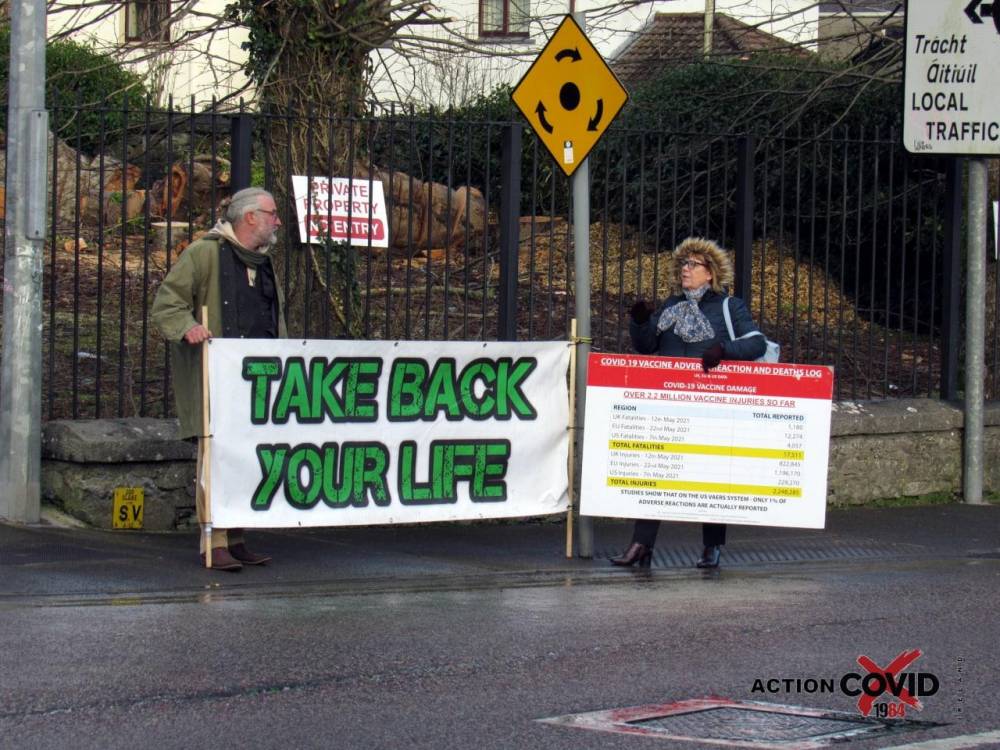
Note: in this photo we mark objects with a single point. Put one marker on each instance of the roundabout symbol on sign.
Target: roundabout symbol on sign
(569, 95)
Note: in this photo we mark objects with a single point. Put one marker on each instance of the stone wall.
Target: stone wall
(877, 450)
(83, 461)
(904, 448)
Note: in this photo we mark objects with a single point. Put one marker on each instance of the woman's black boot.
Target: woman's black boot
(710, 557)
(636, 553)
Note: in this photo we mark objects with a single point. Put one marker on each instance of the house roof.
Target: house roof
(883, 7)
(671, 39)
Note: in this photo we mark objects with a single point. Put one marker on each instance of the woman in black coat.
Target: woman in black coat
(691, 323)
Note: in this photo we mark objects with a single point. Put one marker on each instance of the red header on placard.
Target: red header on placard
(731, 378)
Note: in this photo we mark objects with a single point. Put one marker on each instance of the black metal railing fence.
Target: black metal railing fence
(846, 246)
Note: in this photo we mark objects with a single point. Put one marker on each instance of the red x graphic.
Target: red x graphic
(895, 668)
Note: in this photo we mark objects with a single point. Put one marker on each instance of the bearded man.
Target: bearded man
(229, 271)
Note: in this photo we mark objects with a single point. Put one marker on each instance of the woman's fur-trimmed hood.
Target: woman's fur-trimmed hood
(720, 262)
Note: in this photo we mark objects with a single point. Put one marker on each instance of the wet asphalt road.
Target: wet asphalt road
(395, 639)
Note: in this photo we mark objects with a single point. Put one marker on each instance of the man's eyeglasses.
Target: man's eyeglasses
(272, 212)
(693, 264)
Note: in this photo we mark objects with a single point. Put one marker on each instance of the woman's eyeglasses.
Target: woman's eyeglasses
(693, 264)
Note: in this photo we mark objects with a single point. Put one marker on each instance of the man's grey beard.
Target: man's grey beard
(269, 244)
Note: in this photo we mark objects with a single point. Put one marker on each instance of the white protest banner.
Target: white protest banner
(341, 209)
(340, 433)
(746, 443)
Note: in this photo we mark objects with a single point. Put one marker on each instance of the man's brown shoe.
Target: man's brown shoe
(245, 556)
(222, 560)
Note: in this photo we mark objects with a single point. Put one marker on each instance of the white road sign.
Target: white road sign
(950, 104)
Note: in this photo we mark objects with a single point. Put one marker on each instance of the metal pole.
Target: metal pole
(510, 228)
(21, 370)
(744, 216)
(975, 331)
(581, 259)
(951, 293)
(241, 145)
(708, 43)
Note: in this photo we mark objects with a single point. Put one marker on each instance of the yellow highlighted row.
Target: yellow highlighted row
(649, 446)
(724, 488)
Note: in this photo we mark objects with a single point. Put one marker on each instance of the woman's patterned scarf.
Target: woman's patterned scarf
(687, 318)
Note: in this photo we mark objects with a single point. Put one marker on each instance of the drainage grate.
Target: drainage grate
(797, 550)
(746, 724)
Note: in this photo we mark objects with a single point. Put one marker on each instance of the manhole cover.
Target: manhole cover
(749, 724)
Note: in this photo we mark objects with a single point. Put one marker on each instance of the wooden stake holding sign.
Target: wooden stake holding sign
(200, 499)
(204, 464)
(572, 436)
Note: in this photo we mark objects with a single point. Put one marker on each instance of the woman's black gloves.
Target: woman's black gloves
(641, 311)
(712, 356)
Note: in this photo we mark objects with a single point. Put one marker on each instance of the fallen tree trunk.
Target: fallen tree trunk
(428, 215)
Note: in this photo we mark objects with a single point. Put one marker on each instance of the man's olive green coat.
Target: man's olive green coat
(193, 281)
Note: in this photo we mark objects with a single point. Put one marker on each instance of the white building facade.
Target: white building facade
(184, 49)
(493, 42)
(187, 49)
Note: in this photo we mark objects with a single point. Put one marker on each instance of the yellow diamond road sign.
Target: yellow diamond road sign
(569, 95)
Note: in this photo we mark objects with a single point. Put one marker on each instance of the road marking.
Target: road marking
(953, 743)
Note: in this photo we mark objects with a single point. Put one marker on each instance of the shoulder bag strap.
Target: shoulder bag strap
(729, 320)
(729, 324)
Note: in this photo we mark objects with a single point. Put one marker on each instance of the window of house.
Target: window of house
(147, 21)
(503, 18)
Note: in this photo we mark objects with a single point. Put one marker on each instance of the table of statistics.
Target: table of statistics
(746, 443)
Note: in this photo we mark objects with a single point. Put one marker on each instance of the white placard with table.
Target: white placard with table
(746, 443)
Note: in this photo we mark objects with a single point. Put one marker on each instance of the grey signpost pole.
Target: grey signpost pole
(975, 331)
(571, 58)
(950, 109)
(581, 268)
(20, 373)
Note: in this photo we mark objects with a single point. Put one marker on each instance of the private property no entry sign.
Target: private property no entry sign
(950, 104)
(341, 209)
